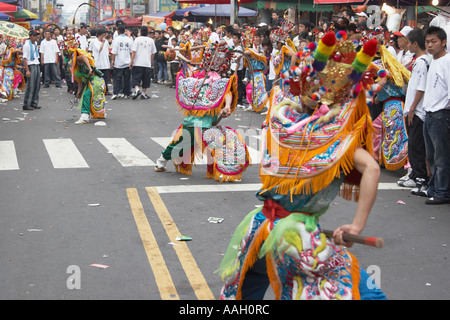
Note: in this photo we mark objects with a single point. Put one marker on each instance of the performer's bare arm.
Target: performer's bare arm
(370, 171)
(226, 111)
(83, 59)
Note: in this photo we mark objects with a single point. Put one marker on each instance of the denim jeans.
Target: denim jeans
(31, 98)
(436, 132)
(122, 81)
(162, 68)
(51, 73)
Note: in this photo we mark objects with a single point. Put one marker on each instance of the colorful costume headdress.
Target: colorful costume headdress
(309, 145)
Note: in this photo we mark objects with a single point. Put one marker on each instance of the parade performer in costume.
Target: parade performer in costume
(312, 151)
(390, 137)
(11, 78)
(255, 61)
(91, 85)
(204, 101)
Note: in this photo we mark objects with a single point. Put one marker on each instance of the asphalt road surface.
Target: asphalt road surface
(84, 215)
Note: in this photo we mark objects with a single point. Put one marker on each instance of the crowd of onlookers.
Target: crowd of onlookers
(134, 57)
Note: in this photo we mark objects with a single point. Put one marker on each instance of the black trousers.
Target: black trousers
(241, 86)
(122, 81)
(106, 78)
(416, 148)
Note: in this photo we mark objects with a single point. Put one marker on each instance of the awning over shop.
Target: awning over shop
(222, 10)
(305, 6)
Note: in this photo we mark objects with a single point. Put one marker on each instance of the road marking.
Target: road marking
(252, 150)
(127, 154)
(209, 188)
(162, 276)
(193, 272)
(240, 187)
(64, 154)
(8, 158)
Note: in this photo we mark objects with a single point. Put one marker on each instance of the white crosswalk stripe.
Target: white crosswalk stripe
(125, 152)
(64, 154)
(8, 158)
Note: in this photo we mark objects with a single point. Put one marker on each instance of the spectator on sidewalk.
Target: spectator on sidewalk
(100, 53)
(32, 72)
(120, 61)
(237, 67)
(49, 59)
(143, 52)
(415, 115)
(436, 103)
(80, 37)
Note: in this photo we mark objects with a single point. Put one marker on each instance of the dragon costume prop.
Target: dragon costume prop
(307, 159)
(201, 96)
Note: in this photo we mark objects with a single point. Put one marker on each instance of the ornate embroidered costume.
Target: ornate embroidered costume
(390, 137)
(202, 97)
(10, 77)
(90, 83)
(307, 159)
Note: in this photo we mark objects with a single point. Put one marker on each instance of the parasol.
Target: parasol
(5, 7)
(23, 14)
(13, 30)
(4, 17)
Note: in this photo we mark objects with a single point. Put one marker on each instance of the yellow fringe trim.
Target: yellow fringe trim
(252, 254)
(256, 56)
(396, 70)
(272, 273)
(356, 277)
(359, 126)
(285, 50)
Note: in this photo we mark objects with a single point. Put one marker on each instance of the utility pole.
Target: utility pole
(232, 11)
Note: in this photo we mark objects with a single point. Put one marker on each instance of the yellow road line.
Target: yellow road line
(193, 273)
(162, 276)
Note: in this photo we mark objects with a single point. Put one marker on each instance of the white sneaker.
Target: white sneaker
(83, 119)
(120, 96)
(406, 176)
(410, 183)
(114, 96)
(136, 94)
(161, 164)
(421, 192)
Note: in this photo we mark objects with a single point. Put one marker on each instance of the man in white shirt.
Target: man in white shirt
(237, 67)
(436, 104)
(143, 52)
(171, 34)
(229, 35)
(100, 53)
(32, 72)
(120, 61)
(80, 37)
(49, 59)
(404, 55)
(415, 115)
(214, 36)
